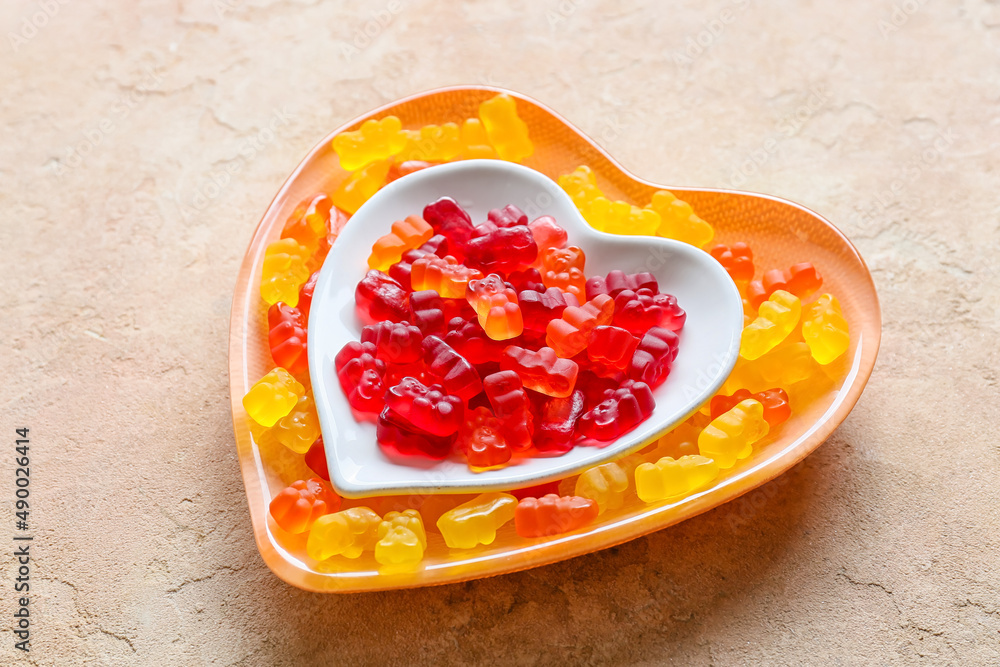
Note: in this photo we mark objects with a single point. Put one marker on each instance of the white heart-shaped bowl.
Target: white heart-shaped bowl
(709, 342)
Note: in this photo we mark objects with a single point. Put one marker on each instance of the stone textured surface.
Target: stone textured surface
(119, 257)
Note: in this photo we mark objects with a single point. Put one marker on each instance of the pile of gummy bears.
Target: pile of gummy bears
(446, 361)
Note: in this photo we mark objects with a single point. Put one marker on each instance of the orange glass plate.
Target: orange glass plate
(780, 232)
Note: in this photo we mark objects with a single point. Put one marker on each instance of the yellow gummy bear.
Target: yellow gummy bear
(375, 140)
(670, 479)
(581, 186)
(678, 221)
(476, 521)
(360, 186)
(776, 318)
(605, 484)
(347, 533)
(619, 217)
(432, 143)
(401, 538)
(284, 272)
(272, 397)
(785, 365)
(299, 429)
(731, 435)
(507, 132)
(825, 329)
(475, 143)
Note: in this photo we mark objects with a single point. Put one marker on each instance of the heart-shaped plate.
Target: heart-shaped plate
(780, 232)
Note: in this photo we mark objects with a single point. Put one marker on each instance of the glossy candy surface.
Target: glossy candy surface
(776, 318)
(568, 335)
(801, 279)
(476, 521)
(450, 369)
(774, 402)
(622, 409)
(737, 259)
(553, 515)
(497, 307)
(510, 405)
(284, 272)
(678, 220)
(395, 342)
(506, 131)
(562, 268)
(361, 376)
(299, 505)
(670, 479)
(381, 298)
(287, 338)
(406, 234)
(654, 356)
(272, 397)
(444, 275)
(541, 370)
(347, 533)
(374, 140)
(731, 435)
(825, 330)
(639, 311)
(605, 484)
(427, 408)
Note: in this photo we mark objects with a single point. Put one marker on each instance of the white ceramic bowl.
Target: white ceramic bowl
(709, 343)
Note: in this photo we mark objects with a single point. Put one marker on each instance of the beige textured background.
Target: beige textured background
(119, 259)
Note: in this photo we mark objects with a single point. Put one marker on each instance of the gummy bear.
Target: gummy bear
(581, 186)
(604, 484)
(482, 440)
(500, 249)
(401, 538)
(374, 140)
(309, 223)
(568, 335)
(556, 425)
(434, 143)
(361, 376)
(298, 429)
(668, 479)
(496, 305)
(347, 533)
(654, 356)
(787, 364)
(563, 268)
(272, 397)
(539, 308)
(619, 281)
(306, 296)
(475, 143)
(526, 279)
(429, 409)
(547, 234)
(637, 312)
(508, 216)
(450, 369)
(774, 401)
(284, 272)
(287, 338)
(776, 318)
(442, 274)
(551, 515)
(507, 132)
(298, 506)
(451, 220)
(621, 410)
(825, 329)
(541, 370)
(396, 435)
(399, 169)
(736, 259)
(315, 458)
(379, 297)
(611, 347)
(406, 234)
(360, 186)
(429, 312)
(620, 217)
(469, 340)
(510, 405)
(476, 522)
(802, 280)
(731, 435)
(678, 220)
(395, 342)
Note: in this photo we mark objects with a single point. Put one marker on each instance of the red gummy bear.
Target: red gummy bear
(654, 356)
(469, 340)
(396, 436)
(449, 219)
(568, 335)
(482, 440)
(638, 311)
(428, 409)
(538, 308)
(287, 338)
(451, 369)
(495, 249)
(775, 402)
(360, 375)
(548, 234)
(611, 347)
(298, 506)
(526, 279)
(736, 259)
(622, 409)
(510, 404)
(508, 216)
(553, 515)
(395, 342)
(556, 425)
(801, 280)
(380, 298)
(306, 296)
(617, 281)
(315, 458)
(541, 371)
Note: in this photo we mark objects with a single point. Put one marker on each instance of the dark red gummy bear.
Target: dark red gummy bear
(451, 369)
(508, 216)
(638, 311)
(380, 298)
(395, 342)
(654, 356)
(315, 458)
(360, 375)
(306, 295)
(449, 219)
(617, 281)
(555, 429)
(621, 410)
(397, 436)
(510, 405)
(429, 409)
(538, 308)
(469, 340)
(526, 279)
(495, 249)
(611, 347)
